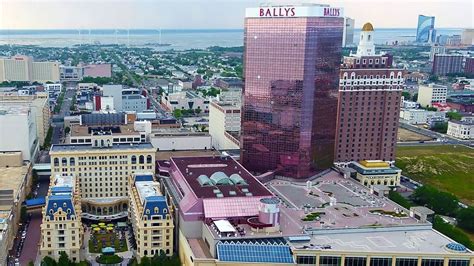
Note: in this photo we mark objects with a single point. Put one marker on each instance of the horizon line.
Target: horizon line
(164, 29)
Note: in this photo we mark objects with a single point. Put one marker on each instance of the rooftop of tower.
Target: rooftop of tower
(368, 27)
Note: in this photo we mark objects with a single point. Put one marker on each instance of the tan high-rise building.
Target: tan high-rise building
(150, 216)
(23, 68)
(61, 228)
(102, 170)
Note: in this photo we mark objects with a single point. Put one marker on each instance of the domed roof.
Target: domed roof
(456, 247)
(368, 27)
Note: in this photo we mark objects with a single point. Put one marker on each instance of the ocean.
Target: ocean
(178, 39)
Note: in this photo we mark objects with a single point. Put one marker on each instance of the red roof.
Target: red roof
(193, 167)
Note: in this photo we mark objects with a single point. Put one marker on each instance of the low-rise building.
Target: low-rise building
(375, 172)
(421, 116)
(185, 100)
(172, 139)
(15, 182)
(432, 93)
(463, 129)
(61, 227)
(150, 216)
(133, 100)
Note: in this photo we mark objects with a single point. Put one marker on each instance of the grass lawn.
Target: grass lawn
(108, 243)
(447, 167)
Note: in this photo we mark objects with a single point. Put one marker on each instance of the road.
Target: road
(154, 102)
(58, 123)
(445, 138)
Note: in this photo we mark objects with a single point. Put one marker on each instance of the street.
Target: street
(445, 138)
(58, 119)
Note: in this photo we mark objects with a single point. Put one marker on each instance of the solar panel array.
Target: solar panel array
(103, 119)
(254, 251)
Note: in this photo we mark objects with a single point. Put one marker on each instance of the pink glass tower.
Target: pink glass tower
(291, 73)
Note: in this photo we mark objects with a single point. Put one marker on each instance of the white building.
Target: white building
(185, 100)
(173, 140)
(463, 129)
(348, 32)
(410, 105)
(436, 49)
(432, 93)
(224, 124)
(114, 91)
(132, 100)
(19, 131)
(107, 104)
(421, 116)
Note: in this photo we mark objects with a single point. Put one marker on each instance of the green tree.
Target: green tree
(63, 259)
(145, 261)
(396, 197)
(440, 202)
(48, 261)
(433, 78)
(406, 95)
(429, 108)
(465, 218)
(197, 111)
(177, 113)
(67, 130)
(31, 263)
(452, 232)
(454, 115)
(441, 127)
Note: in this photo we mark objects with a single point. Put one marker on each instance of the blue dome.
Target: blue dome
(456, 247)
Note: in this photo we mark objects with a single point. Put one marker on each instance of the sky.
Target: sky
(214, 14)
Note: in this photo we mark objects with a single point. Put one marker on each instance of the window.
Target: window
(134, 159)
(141, 159)
(149, 159)
(306, 260)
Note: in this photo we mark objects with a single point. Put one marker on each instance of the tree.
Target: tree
(454, 116)
(430, 108)
(406, 95)
(441, 127)
(440, 202)
(465, 218)
(31, 263)
(63, 259)
(48, 261)
(452, 232)
(433, 78)
(67, 130)
(145, 261)
(197, 111)
(396, 197)
(177, 113)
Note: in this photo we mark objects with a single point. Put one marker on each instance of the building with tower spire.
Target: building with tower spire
(368, 108)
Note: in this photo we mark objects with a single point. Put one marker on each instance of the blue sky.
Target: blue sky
(186, 14)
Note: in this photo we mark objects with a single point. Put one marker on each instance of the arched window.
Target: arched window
(56, 162)
(156, 210)
(141, 159)
(72, 161)
(63, 161)
(134, 159)
(368, 38)
(149, 159)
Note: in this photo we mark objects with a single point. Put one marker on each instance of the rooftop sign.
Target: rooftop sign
(294, 11)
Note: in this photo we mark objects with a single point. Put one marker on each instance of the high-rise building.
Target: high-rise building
(425, 33)
(469, 66)
(369, 104)
(436, 49)
(23, 68)
(348, 36)
(447, 64)
(467, 37)
(291, 65)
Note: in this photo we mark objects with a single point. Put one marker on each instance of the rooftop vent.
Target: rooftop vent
(232, 193)
(216, 191)
(245, 190)
(219, 195)
(248, 194)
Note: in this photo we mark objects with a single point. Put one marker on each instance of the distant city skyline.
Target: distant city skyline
(213, 14)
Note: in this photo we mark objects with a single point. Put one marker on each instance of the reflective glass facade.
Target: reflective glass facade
(425, 31)
(291, 72)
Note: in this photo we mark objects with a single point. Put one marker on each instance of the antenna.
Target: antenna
(128, 37)
(116, 31)
(80, 38)
(90, 40)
